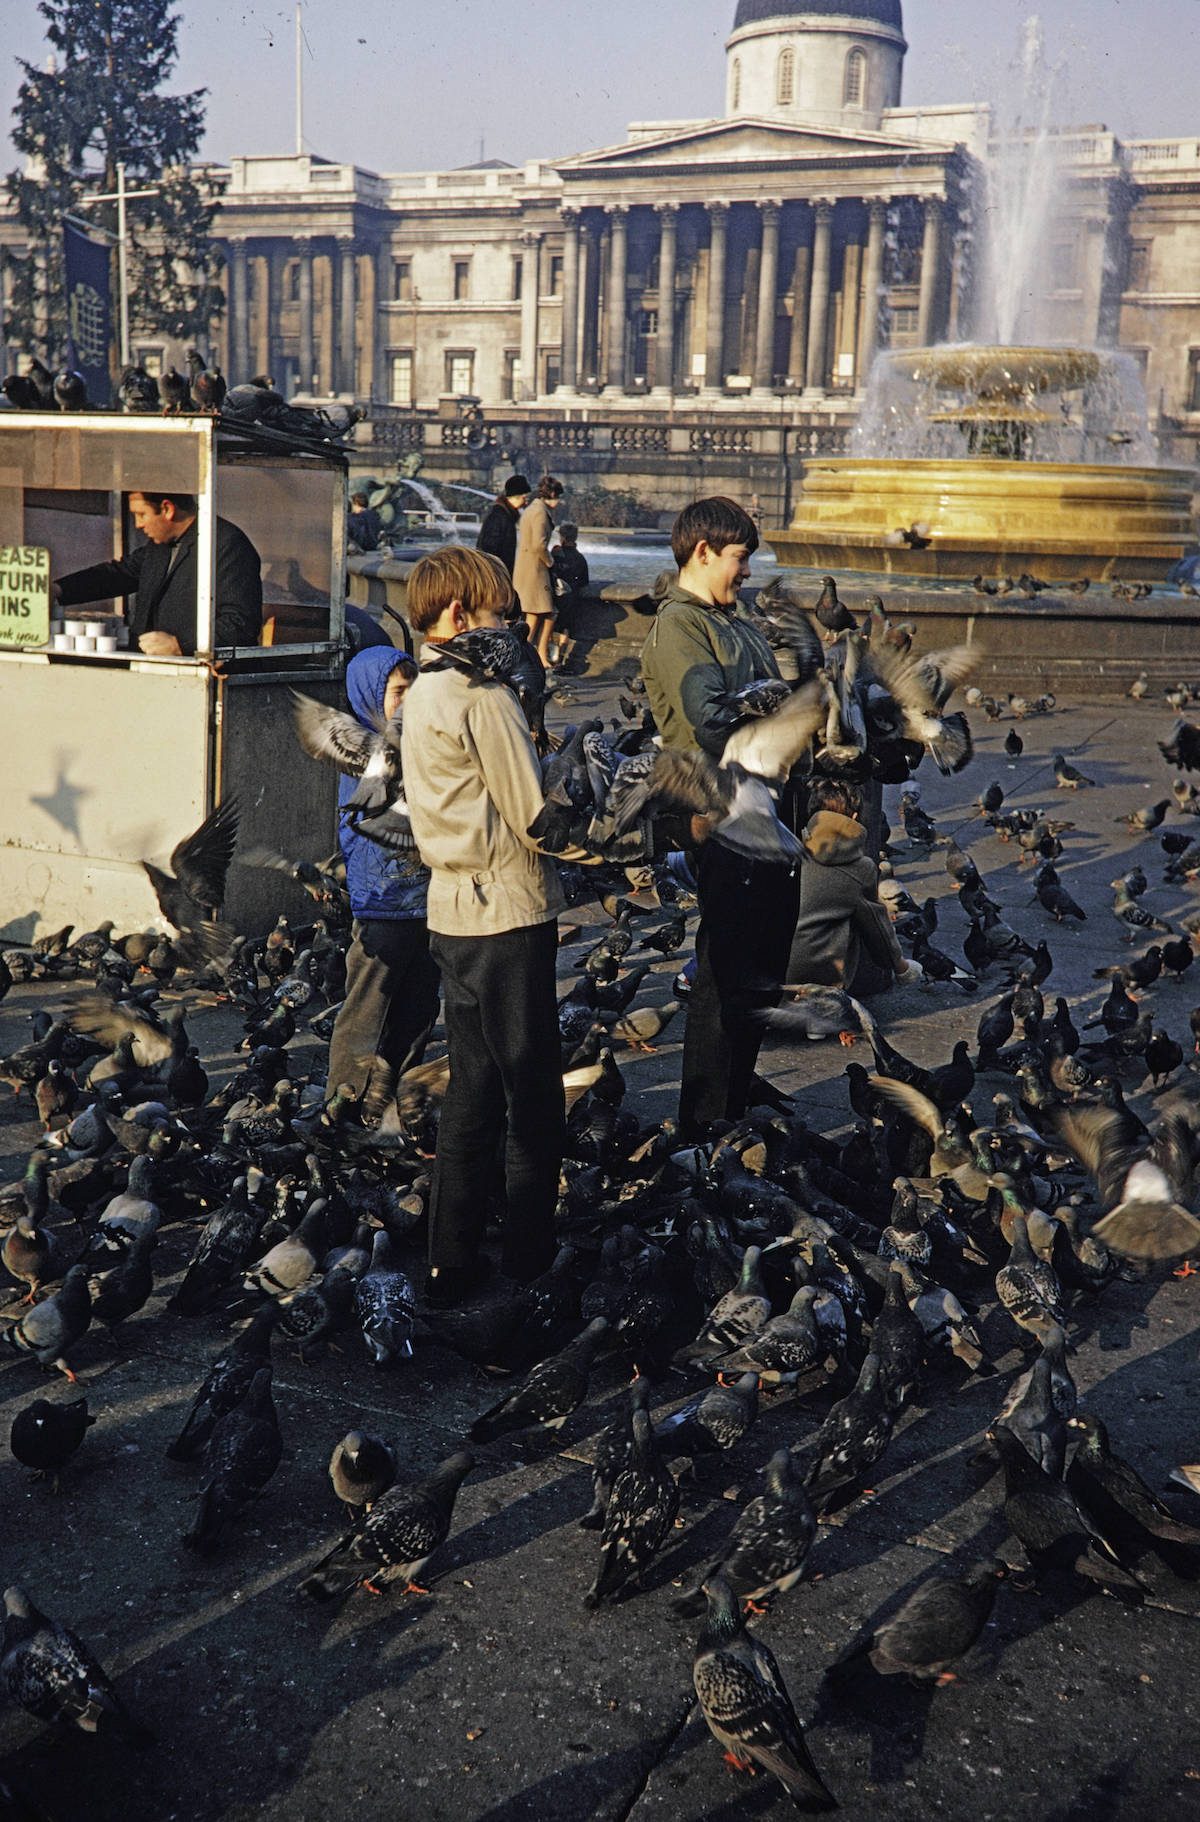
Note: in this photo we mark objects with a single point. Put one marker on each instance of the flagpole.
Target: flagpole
(299, 80)
(122, 271)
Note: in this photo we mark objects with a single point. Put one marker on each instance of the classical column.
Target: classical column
(305, 298)
(714, 357)
(931, 261)
(868, 327)
(531, 262)
(239, 314)
(383, 292)
(347, 364)
(272, 274)
(818, 306)
(801, 279)
(768, 285)
(591, 255)
(569, 370)
(668, 215)
(848, 339)
(616, 311)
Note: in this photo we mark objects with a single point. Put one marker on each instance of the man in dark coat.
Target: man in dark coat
(498, 533)
(163, 574)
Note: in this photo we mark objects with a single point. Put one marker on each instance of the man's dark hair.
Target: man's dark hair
(836, 794)
(358, 499)
(718, 521)
(185, 504)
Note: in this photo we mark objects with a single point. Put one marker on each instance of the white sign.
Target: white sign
(24, 594)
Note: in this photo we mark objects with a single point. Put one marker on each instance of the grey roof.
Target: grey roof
(887, 12)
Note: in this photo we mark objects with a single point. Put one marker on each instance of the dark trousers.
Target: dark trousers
(501, 1021)
(389, 1010)
(748, 912)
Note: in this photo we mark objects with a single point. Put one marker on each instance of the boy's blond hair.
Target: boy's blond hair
(455, 573)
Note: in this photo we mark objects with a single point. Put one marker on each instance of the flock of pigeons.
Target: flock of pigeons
(202, 388)
(835, 1283)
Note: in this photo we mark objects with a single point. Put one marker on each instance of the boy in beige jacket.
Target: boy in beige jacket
(473, 788)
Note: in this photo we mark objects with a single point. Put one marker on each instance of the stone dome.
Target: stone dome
(884, 12)
(816, 62)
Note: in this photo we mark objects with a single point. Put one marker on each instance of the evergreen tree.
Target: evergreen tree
(101, 103)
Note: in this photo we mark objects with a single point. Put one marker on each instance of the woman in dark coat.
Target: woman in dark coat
(498, 533)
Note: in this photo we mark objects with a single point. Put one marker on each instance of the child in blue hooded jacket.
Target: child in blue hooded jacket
(392, 981)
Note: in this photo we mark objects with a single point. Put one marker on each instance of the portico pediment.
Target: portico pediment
(743, 141)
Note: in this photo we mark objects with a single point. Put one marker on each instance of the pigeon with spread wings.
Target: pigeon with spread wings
(377, 808)
(200, 864)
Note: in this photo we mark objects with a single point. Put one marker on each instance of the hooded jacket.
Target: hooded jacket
(841, 922)
(389, 887)
(695, 655)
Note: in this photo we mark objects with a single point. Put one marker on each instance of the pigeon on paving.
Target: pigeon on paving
(614, 1453)
(383, 1297)
(361, 1467)
(1118, 1501)
(396, 1539)
(49, 1329)
(769, 1541)
(45, 1436)
(225, 1384)
(1044, 1518)
(852, 1437)
(638, 1519)
(735, 1317)
(243, 1452)
(549, 1394)
(746, 1704)
(51, 1674)
(933, 1630)
(713, 1421)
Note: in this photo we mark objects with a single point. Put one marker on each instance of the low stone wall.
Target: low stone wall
(1086, 644)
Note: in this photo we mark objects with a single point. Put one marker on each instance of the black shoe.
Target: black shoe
(449, 1285)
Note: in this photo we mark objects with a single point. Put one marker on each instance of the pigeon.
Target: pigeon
(769, 1541)
(832, 614)
(197, 883)
(225, 1384)
(361, 1467)
(240, 1457)
(614, 1453)
(404, 1527)
(45, 1436)
(50, 1673)
(1140, 1181)
(735, 1317)
(715, 1420)
(1122, 1506)
(549, 1394)
(816, 1013)
(1045, 1520)
(786, 1347)
(1067, 776)
(852, 1437)
(48, 1330)
(383, 1297)
(746, 1704)
(934, 1629)
(638, 1517)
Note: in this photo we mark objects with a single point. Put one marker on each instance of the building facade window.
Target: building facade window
(785, 81)
(735, 86)
(517, 285)
(855, 83)
(461, 281)
(460, 371)
(1064, 265)
(1193, 380)
(556, 275)
(402, 286)
(291, 282)
(400, 378)
(512, 375)
(1139, 266)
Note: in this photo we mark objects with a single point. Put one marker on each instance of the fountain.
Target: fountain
(1013, 455)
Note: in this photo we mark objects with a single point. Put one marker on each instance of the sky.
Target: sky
(395, 86)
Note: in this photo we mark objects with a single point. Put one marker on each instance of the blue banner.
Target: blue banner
(89, 311)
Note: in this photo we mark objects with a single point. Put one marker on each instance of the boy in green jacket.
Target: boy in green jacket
(703, 646)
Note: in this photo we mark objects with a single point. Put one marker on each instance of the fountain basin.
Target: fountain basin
(1056, 520)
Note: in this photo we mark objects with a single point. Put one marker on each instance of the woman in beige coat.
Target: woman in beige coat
(531, 576)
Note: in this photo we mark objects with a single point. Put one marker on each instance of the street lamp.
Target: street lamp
(120, 196)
